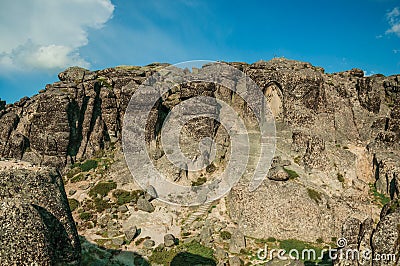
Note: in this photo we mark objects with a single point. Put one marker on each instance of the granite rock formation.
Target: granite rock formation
(35, 220)
(337, 142)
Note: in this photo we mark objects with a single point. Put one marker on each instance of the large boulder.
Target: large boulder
(36, 224)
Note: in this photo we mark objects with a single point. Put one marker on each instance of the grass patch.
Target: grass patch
(192, 253)
(85, 216)
(103, 82)
(73, 204)
(101, 242)
(378, 197)
(292, 174)
(73, 172)
(102, 189)
(124, 196)
(314, 195)
(200, 181)
(271, 239)
(77, 178)
(88, 165)
(101, 205)
(225, 235)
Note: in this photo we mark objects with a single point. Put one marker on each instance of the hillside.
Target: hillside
(335, 170)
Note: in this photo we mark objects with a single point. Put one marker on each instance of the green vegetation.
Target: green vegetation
(102, 189)
(101, 205)
(378, 197)
(314, 195)
(340, 177)
(73, 204)
(77, 178)
(292, 174)
(73, 172)
(125, 67)
(297, 160)
(88, 165)
(101, 242)
(85, 216)
(319, 240)
(271, 239)
(192, 253)
(225, 235)
(186, 234)
(200, 181)
(300, 246)
(124, 196)
(140, 240)
(103, 82)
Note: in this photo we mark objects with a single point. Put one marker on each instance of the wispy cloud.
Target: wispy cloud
(393, 18)
(46, 34)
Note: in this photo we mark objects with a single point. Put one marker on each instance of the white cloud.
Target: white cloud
(46, 34)
(393, 17)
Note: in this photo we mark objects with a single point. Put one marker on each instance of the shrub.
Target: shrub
(225, 235)
(124, 196)
(378, 197)
(101, 205)
(314, 195)
(192, 253)
(271, 239)
(73, 204)
(102, 189)
(88, 165)
(292, 174)
(85, 216)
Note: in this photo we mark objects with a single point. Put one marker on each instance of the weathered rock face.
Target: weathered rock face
(331, 126)
(72, 119)
(35, 221)
(338, 131)
(375, 246)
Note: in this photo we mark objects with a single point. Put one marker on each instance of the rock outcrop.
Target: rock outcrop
(366, 245)
(337, 134)
(36, 225)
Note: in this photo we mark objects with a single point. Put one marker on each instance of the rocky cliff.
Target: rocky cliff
(338, 140)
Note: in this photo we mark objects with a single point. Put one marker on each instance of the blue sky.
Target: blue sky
(40, 38)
